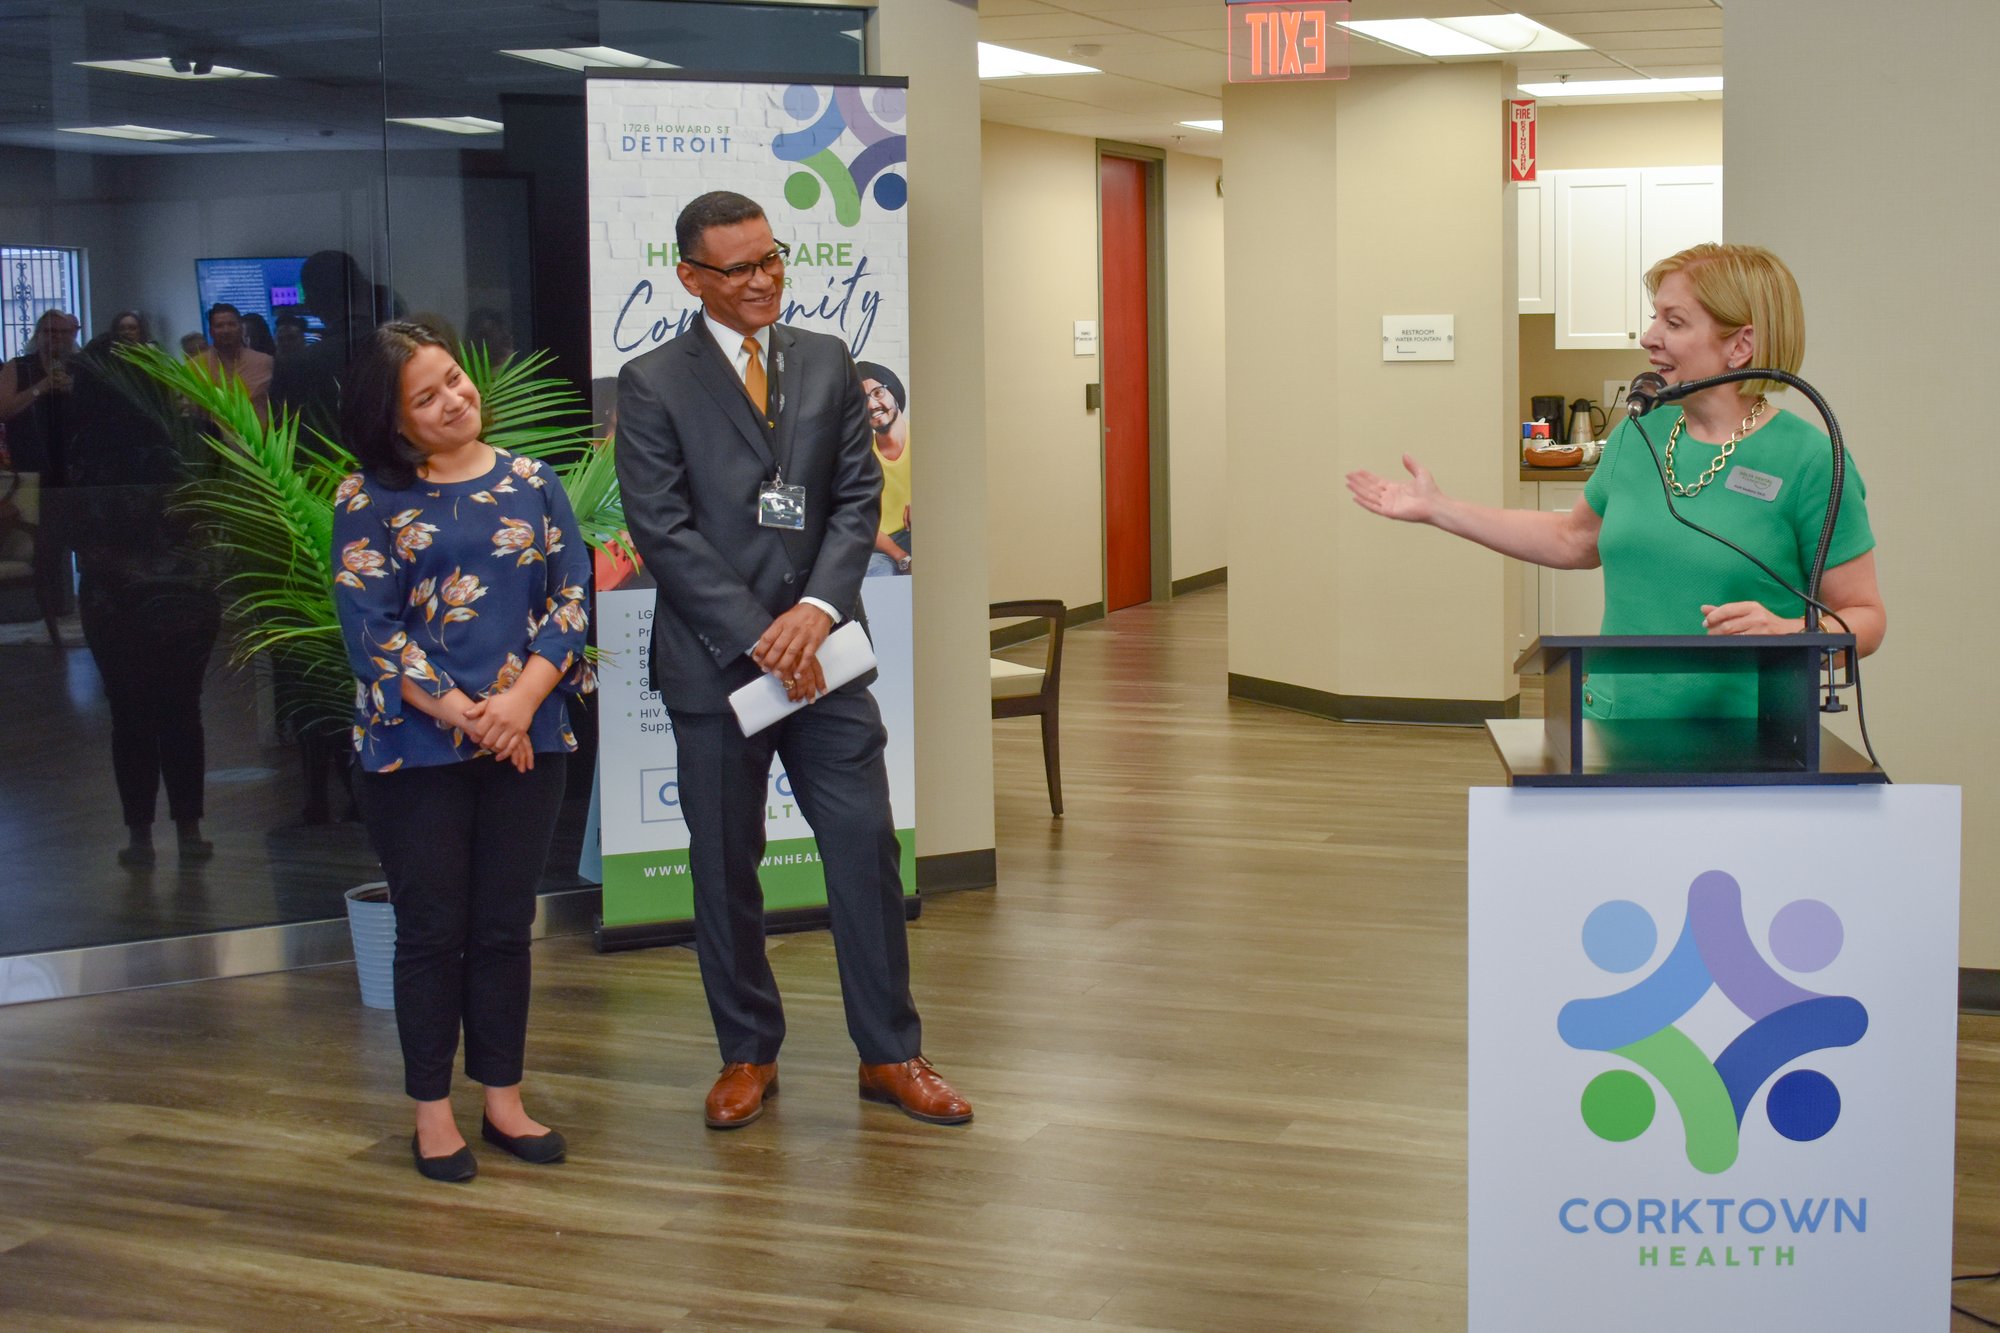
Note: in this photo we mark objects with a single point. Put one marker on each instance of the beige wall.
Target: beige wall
(1045, 525)
(1380, 195)
(1044, 470)
(1877, 189)
(1196, 383)
(1638, 134)
(935, 45)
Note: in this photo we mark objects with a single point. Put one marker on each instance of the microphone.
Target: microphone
(1642, 395)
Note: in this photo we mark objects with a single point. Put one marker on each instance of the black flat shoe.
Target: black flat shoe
(454, 1167)
(541, 1149)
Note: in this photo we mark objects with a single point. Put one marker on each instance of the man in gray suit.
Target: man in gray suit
(752, 494)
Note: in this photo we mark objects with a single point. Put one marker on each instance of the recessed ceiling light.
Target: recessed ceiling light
(451, 124)
(144, 133)
(1622, 87)
(1212, 126)
(1003, 62)
(163, 67)
(1478, 35)
(587, 57)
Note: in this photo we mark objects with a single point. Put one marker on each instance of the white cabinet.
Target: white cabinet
(1603, 229)
(1678, 207)
(1597, 253)
(1537, 241)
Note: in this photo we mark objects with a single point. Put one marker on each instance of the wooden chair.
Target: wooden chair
(1027, 691)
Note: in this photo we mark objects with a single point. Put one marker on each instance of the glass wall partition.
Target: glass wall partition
(318, 167)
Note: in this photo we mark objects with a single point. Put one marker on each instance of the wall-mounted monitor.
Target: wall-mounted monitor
(270, 287)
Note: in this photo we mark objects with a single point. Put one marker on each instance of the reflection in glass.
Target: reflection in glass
(292, 189)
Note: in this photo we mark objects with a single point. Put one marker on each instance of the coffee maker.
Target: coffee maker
(1547, 407)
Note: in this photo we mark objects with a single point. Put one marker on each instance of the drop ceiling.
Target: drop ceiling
(1164, 63)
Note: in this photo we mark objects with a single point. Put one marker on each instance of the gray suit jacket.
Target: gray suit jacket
(692, 455)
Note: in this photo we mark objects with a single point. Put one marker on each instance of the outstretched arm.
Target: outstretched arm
(1560, 541)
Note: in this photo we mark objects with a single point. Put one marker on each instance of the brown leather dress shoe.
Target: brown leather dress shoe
(917, 1090)
(738, 1095)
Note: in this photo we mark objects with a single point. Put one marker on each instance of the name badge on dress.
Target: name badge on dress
(781, 506)
(1749, 481)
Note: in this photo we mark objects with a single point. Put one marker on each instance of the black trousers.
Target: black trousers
(463, 846)
(832, 752)
(151, 640)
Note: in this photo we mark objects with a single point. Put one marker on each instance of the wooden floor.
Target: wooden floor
(1212, 1022)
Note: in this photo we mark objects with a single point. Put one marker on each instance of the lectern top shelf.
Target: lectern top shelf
(1777, 740)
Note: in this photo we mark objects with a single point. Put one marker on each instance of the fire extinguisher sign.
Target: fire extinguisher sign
(1521, 140)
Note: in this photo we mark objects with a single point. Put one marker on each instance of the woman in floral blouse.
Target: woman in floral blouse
(462, 587)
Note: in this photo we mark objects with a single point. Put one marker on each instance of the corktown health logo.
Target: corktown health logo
(1784, 1021)
(866, 113)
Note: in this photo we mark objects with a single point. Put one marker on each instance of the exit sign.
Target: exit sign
(1285, 41)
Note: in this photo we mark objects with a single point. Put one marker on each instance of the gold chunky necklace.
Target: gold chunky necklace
(1684, 490)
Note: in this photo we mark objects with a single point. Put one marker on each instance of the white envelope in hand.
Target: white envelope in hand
(845, 655)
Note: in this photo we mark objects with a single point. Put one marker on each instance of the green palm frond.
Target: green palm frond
(267, 510)
(527, 411)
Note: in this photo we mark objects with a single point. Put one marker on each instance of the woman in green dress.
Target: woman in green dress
(1739, 465)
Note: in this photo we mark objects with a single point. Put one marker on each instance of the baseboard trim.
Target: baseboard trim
(1979, 990)
(1369, 707)
(97, 969)
(1196, 582)
(952, 871)
(1008, 635)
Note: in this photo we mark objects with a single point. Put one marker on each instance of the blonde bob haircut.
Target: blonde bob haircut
(1739, 285)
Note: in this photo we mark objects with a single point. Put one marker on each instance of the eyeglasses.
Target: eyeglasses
(773, 265)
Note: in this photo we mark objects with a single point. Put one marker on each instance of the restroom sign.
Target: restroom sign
(1521, 140)
(1287, 42)
(1418, 338)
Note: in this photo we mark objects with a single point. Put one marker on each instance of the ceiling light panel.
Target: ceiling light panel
(142, 133)
(1622, 87)
(1513, 33)
(1477, 35)
(451, 124)
(1002, 62)
(1212, 126)
(162, 67)
(587, 57)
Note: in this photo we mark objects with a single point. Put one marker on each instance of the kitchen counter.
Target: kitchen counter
(1556, 473)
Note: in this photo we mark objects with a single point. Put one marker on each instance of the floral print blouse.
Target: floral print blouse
(457, 584)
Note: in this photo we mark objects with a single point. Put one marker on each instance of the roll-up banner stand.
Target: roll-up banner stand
(828, 162)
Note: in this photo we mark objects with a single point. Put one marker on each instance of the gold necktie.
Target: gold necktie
(753, 377)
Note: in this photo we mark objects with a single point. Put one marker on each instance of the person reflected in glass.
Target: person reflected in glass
(334, 290)
(38, 406)
(230, 355)
(462, 586)
(1738, 464)
(257, 334)
(290, 336)
(127, 327)
(146, 592)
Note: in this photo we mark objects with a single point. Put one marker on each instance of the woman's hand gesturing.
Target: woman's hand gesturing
(1412, 501)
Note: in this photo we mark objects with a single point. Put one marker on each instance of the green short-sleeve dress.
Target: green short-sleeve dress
(1770, 499)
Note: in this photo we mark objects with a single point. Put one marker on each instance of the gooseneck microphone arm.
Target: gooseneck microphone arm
(1675, 392)
(1648, 391)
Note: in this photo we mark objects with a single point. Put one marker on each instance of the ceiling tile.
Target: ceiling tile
(1032, 27)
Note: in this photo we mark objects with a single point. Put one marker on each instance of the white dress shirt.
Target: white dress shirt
(731, 343)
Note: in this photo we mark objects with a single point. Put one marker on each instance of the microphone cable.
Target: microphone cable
(1826, 537)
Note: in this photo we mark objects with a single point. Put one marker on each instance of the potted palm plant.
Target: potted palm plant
(266, 506)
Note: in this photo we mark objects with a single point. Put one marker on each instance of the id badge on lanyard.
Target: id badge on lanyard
(781, 506)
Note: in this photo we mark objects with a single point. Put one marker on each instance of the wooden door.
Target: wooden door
(1123, 341)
